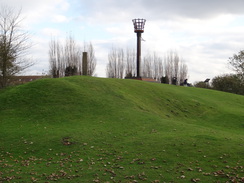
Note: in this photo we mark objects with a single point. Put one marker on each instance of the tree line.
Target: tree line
(66, 59)
(168, 69)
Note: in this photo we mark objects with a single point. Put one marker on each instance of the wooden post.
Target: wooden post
(84, 64)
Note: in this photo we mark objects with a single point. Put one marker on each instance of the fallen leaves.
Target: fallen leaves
(190, 169)
(195, 180)
(182, 176)
(141, 176)
(112, 165)
(232, 173)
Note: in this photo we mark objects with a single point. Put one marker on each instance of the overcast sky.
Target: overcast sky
(205, 33)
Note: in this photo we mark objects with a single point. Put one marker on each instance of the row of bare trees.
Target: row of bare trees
(66, 60)
(122, 63)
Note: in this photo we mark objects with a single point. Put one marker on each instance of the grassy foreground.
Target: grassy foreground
(85, 129)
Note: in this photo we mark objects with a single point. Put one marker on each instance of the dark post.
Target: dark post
(138, 29)
(84, 63)
(138, 57)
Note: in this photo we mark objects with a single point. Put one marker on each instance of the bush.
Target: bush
(228, 83)
(201, 84)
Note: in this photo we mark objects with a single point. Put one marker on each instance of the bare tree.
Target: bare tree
(121, 64)
(175, 68)
(172, 67)
(91, 59)
(64, 60)
(130, 68)
(116, 64)
(147, 65)
(167, 69)
(183, 75)
(159, 67)
(55, 59)
(111, 70)
(14, 44)
(152, 66)
(168, 66)
(72, 57)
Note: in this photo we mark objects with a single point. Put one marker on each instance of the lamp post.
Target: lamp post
(138, 29)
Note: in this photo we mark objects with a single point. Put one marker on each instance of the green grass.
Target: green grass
(85, 129)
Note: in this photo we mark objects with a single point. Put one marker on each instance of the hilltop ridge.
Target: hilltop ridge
(98, 95)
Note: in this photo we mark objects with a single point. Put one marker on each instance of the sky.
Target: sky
(203, 33)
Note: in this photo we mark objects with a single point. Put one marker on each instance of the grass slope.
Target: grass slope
(85, 129)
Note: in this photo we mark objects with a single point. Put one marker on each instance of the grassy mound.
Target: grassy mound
(84, 129)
